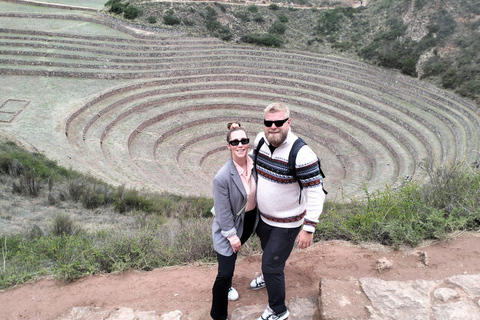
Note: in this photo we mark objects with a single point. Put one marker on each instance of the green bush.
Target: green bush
(244, 16)
(63, 225)
(211, 14)
(152, 20)
(258, 17)
(329, 22)
(434, 66)
(252, 8)
(126, 200)
(171, 20)
(215, 27)
(131, 13)
(266, 40)
(283, 18)
(277, 28)
(470, 89)
(450, 79)
(116, 6)
(273, 6)
(222, 6)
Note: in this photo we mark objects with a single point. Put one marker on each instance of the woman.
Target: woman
(236, 218)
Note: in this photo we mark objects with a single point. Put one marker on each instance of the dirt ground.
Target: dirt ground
(188, 288)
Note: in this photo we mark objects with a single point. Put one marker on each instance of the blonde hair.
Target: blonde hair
(278, 107)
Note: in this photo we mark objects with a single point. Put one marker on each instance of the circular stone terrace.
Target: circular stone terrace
(164, 128)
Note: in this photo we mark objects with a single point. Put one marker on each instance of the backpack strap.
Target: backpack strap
(297, 145)
(292, 157)
(257, 150)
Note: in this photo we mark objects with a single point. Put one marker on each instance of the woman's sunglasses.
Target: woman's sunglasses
(235, 143)
(278, 123)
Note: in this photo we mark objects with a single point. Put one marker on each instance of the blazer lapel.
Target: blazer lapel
(236, 179)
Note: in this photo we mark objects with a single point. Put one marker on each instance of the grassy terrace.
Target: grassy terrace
(349, 108)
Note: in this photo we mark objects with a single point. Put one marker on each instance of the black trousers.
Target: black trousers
(226, 267)
(277, 244)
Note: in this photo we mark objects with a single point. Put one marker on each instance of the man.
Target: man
(287, 212)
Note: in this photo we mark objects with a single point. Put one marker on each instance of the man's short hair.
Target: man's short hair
(278, 107)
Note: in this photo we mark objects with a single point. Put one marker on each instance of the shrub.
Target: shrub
(222, 6)
(434, 66)
(252, 8)
(171, 20)
(273, 6)
(283, 18)
(258, 17)
(129, 199)
(131, 13)
(277, 28)
(266, 40)
(94, 196)
(470, 89)
(408, 66)
(211, 13)
(152, 20)
(450, 78)
(116, 6)
(63, 225)
(27, 184)
(329, 22)
(244, 16)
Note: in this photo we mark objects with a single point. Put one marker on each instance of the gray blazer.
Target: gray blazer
(229, 197)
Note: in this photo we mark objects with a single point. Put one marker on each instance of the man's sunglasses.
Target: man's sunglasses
(235, 143)
(278, 123)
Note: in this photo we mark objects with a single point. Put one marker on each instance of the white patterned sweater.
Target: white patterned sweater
(278, 193)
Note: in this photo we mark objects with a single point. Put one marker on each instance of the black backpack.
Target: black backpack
(292, 156)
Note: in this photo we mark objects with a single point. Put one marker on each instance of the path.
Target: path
(188, 288)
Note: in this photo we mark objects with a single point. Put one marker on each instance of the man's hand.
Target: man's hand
(304, 239)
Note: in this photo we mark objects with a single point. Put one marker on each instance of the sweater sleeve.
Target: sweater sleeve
(308, 172)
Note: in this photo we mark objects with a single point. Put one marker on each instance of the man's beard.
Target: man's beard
(275, 139)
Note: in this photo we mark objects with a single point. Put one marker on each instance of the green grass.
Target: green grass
(7, 7)
(167, 229)
(97, 4)
(61, 26)
(446, 203)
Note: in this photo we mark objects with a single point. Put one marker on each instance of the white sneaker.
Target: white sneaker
(268, 314)
(257, 283)
(232, 294)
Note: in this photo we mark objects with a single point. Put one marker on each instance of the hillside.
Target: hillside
(434, 40)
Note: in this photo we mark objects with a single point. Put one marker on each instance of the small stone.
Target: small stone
(445, 294)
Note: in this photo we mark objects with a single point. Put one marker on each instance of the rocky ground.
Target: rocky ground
(330, 280)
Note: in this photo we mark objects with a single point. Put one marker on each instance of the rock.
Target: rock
(248, 312)
(303, 308)
(445, 294)
(469, 284)
(383, 264)
(121, 313)
(460, 310)
(342, 300)
(423, 258)
(400, 300)
(86, 313)
(173, 315)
